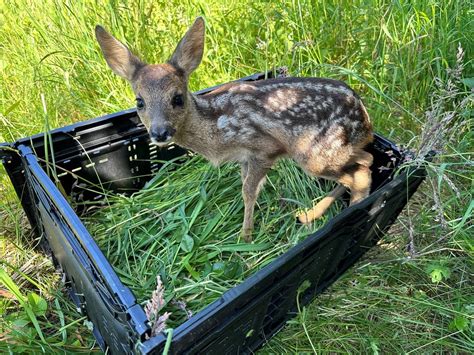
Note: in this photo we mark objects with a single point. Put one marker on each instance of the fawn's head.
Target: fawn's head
(163, 99)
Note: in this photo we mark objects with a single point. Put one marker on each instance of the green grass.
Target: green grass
(412, 293)
(185, 227)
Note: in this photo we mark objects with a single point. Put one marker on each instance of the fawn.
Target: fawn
(320, 123)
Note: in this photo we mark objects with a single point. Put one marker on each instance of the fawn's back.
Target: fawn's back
(298, 117)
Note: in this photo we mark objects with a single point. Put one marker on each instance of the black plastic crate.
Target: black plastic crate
(113, 152)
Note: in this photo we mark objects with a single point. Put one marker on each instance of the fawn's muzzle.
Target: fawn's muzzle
(161, 134)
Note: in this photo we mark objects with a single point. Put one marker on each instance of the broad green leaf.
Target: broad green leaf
(187, 243)
(218, 268)
(459, 323)
(38, 304)
(438, 272)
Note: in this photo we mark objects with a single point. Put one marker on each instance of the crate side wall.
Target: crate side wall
(94, 286)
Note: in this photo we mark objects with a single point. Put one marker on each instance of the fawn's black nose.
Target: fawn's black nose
(161, 134)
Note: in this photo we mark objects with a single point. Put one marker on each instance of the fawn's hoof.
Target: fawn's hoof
(304, 217)
(309, 216)
(247, 235)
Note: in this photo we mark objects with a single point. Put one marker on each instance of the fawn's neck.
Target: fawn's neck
(199, 133)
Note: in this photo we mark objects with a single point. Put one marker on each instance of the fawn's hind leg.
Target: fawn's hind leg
(253, 177)
(358, 181)
(318, 210)
(356, 176)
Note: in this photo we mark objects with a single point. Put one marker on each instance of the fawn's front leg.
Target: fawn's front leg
(253, 177)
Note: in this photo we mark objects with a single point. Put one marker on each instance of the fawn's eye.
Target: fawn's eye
(177, 100)
(140, 103)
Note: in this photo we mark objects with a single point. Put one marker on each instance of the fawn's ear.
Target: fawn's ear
(123, 62)
(188, 53)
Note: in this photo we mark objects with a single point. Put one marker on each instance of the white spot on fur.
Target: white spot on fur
(338, 89)
(281, 100)
(222, 121)
(343, 118)
(354, 124)
(221, 100)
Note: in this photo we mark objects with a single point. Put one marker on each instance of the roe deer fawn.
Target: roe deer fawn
(320, 123)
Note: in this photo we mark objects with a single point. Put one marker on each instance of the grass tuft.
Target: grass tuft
(185, 227)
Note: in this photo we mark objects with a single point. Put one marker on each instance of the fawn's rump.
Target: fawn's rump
(331, 149)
